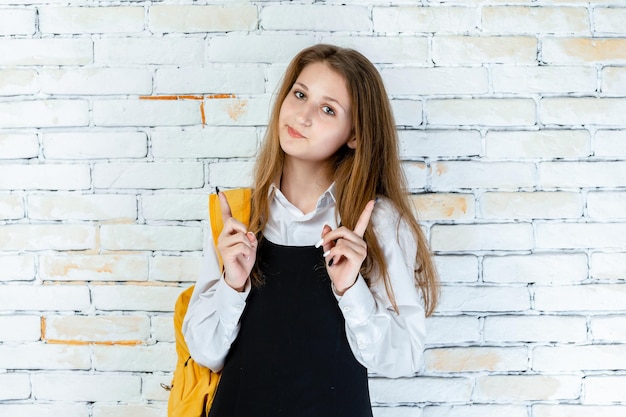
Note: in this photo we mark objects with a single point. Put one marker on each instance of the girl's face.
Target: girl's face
(315, 118)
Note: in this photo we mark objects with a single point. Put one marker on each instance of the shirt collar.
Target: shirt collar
(327, 198)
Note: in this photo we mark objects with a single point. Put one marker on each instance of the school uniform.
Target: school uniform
(293, 347)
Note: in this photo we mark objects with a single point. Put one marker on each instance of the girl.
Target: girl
(294, 322)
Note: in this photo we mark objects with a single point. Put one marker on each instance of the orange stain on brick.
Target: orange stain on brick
(236, 109)
(200, 98)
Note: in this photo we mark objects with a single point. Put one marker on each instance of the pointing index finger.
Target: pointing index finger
(364, 219)
(224, 206)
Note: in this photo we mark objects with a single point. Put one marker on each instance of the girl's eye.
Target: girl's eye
(299, 94)
(328, 110)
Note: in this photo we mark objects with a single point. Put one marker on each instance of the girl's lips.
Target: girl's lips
(294, 133)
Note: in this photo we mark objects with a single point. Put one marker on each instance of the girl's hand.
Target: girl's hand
(237, 248)
(345, 250)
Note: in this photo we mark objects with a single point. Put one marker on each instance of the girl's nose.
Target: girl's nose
(304, 116)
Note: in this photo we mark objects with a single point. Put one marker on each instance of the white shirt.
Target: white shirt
(385, 342)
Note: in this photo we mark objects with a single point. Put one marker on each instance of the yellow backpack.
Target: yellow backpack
(193, 386)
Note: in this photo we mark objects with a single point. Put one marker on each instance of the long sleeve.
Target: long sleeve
(385, 342)
(212, 320)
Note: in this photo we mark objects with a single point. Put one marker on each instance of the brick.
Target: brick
(481, 237)
(435, 81)
(223, 80)
(162, 328)
(407, 19)
(50, 113)
(416, 174)
(65, 206)
(609, 20)
(582, 298)
(18, 145)
(20, 328)
(439, 143)
(46, 51)
(138, 237)
(153, 175)
(536, 268)
(257, 48)
(44, 410)
(582, 174)
(231, 174)
(453, 268)
(577, 410)
(533, 329)
(84, 387)
(518, 388)
(196, 18)
(132, 112)
(543, 79)
(608, 266)
(95, 145)
(96, 81)
(75, 267)
(608, 329)
(16, 21)
(152, 389)
(442, 206)
(423, 389)
(39, 356)
(129, 410)
(18, 81)
(606, 205)
(613, 80)
(25, 237)
(532, 205)
(412, 50)
(175, 268)
(583, 111)
(580, 235)
(481, 111)
(209, 142)
(475, 410)
(532, 20)
(456, 175)
(397, 411)
(17, 267)
(89, 20)
(236, 112)
(98, 329)
(609, 143)
(579, 358)
(44, 297)
(44, 177)
(407, 112)
(538, 144)
(454, 50)
(557, 50)
(452, 330)
(135, 297)
(603, 389)
(319, 18)
(476, 359)
(153, 358)
(179, 206)
(11, 207)
(147, 51)
(15, 386)
(465, 298)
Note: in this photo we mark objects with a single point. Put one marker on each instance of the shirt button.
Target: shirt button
(362, 346)
(238, 307)
(347, 309)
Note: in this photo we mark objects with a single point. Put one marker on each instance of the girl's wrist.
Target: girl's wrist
(342, 292)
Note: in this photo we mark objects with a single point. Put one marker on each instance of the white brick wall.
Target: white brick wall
(118, 119)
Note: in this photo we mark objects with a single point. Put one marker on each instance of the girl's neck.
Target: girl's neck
(302, 184)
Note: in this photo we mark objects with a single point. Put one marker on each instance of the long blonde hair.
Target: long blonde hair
(372, 169)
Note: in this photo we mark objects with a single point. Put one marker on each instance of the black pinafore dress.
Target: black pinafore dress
(291, 357)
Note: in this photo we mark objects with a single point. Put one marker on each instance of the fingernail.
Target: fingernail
(325, 254)
(319, 243)
(217, 190)
(331, 262)
(376, 200)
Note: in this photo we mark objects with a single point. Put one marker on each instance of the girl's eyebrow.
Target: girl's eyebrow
(327, 98)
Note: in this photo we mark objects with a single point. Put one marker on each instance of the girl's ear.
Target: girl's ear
(352, 142)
